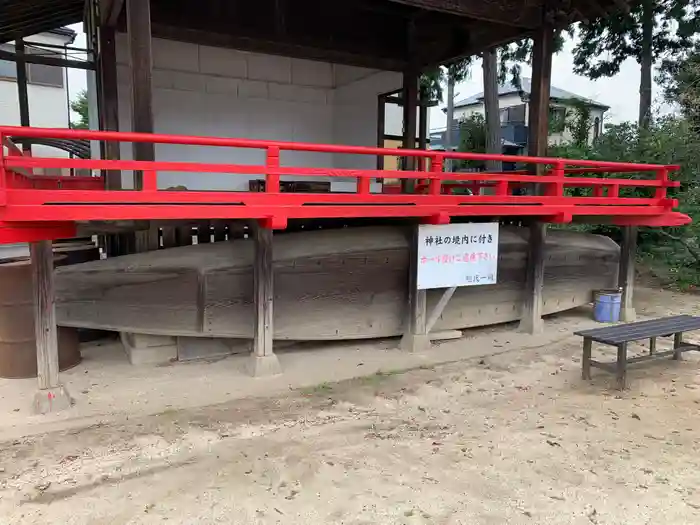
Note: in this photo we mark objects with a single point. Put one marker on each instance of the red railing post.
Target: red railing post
(272, 162)
(150, 180)
(556, 189)
(662, 177)
(435, 184)
(3, 173)
(363, 184)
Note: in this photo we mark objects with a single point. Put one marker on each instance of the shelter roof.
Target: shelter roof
(386, 34)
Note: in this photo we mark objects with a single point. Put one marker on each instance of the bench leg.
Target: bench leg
(677, 343)
(621, 366)
(586, 359)
(652, 345)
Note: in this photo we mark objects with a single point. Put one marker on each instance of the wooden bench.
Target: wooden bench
(620, 335)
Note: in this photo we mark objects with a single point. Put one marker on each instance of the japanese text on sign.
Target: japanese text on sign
(457, 255)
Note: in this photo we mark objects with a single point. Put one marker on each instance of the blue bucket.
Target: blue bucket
(606, 306)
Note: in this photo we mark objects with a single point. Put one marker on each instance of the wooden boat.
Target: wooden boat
(329, 284)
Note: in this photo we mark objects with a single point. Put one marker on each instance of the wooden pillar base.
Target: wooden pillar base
(628, 253)
(263, 361)
(264, 366)
(415, 342)
(531, 316)
(628, 315)
(52, 400)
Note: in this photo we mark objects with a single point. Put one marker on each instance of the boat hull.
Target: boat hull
(328, 285)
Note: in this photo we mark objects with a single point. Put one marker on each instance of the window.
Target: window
(596, 128)
(557, 119)
(8, 69)
(44, 75)
(36, 73)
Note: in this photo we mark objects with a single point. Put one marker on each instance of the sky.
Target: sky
(620, 92)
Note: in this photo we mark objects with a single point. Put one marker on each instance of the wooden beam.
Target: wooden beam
(110, 11)
(628, 253)
(289, 47)
(439, 308)
(51, 395)
(518, 14)
(264, 361)
(46, 60)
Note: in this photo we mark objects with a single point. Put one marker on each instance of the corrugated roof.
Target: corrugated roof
(526, 87)
(22, 18)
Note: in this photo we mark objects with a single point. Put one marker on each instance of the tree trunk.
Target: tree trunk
(491, 107)
(646, 62)
(449, 145)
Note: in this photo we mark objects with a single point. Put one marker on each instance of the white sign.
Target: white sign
(457, 255)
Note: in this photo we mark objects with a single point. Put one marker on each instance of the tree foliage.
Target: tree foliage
(432, 81)
(681, 80)
(512, 56)
(650, 31)
(673, 253)
(80, 106)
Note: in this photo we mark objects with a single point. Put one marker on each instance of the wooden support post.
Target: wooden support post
(439, 308)
(621, 367)
(139, 31)
(628, 252)
(263, 361)
(51, 396)
(219, 231)
(538, 122)
(409, 95)
(381, 128)
(531, 314)
(652, 345)
(423, 132)
(22, 90)
(586, 358)
(415, 336)
(203, 232)
(184, 235)
(109, 101)
(531, 317)
(169, 236)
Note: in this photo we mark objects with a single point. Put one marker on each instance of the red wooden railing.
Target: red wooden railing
(31, 205)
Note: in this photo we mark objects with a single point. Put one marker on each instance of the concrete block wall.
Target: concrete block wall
(202, 90)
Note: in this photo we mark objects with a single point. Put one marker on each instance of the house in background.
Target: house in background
(514, 113)
(47, 86)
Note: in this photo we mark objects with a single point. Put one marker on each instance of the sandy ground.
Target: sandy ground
(515, 437)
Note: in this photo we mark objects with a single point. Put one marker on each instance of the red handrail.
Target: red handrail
(73, 199)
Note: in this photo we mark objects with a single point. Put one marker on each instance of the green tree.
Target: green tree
(650, 30)
(80, 106)
(512, 56)
(681, 80)
(671, 253)
(457, 71)
(578, 121)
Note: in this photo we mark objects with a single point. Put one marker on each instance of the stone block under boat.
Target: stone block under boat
(334, 284)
